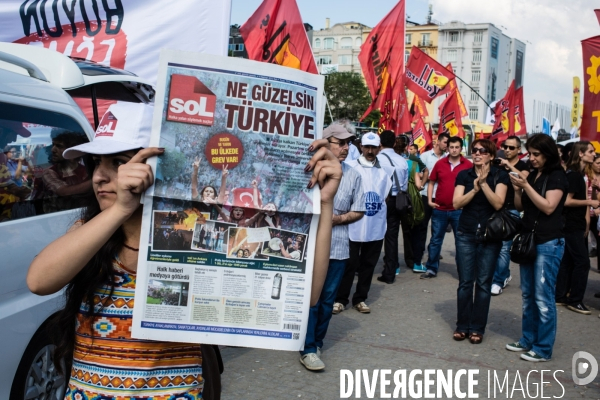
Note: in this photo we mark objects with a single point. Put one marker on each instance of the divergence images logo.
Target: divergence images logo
(190, 101)
(582, 363)
(107, 126)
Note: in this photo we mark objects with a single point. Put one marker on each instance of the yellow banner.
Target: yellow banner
(575, 107)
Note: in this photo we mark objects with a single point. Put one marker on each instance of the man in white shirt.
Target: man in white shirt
(366, 234)
(429, 158)
(388, 158)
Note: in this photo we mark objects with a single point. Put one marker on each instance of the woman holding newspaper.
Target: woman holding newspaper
(97, 260)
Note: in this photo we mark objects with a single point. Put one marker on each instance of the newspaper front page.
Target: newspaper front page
(229, 223)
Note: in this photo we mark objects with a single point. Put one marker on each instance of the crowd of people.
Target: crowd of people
(549, 191)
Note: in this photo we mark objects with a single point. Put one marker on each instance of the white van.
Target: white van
(37, 108)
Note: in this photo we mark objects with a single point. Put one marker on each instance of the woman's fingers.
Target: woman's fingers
(142, 155)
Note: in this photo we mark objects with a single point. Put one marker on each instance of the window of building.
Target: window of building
(519, 69)
(346, 43)
(474, 96)
(322, 60)
(328, 43)
(358, 42)
(425, 39)
(475, 75)
(473, 113)
(477, 56)
(408, 38)
(345, 59)
(406, 56)
(451, 55)
(494, 49)
(317, 43)
(239, 47)
(454, 36)
(478, 36)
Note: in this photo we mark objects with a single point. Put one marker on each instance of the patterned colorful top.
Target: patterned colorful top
(113, 366)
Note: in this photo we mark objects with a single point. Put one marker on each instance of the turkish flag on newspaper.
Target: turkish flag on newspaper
(450, 118)
(424, 76)
(590, 115)
(451, 87)
(381, 57)
(275, 34)
(418, 109)
(244, 197)
(504, 125)
(421, 136)
(520, 128)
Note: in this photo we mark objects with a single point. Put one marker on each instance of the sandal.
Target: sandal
(475, 338)
(458, 336)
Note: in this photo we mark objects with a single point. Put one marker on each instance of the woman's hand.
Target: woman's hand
(225, 171)
(517, 181)
(326, 168)
(483, 174)
(134, 178)
(196, 163)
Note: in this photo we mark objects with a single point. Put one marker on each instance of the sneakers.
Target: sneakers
(580, 308)
(506, 281)
(362, 308)
(516, 346)
(427, 275)
(533, 357)
(338, 308)
(312, 362)
(397, 271)
(419, 269)
(496, 290)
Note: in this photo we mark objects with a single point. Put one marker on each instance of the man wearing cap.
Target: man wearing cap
(348, 207)
(388, 158)
(366, 234)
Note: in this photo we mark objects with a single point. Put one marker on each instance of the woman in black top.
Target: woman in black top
(480, 191)
(575, 265)
(538, 279)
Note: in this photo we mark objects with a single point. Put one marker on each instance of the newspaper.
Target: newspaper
(230, 223)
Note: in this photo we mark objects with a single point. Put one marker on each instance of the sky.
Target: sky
(551, 29)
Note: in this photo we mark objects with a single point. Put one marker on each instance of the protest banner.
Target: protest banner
(230, 223)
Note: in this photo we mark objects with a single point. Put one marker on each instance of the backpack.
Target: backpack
(418, 209)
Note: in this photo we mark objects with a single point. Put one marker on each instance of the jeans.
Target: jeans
(390, 258)
(476, 263)
(503, 265)
(574, 269)
(319, 315)
(419, 233)
(439, 222)
(363, 258)
(538, 281)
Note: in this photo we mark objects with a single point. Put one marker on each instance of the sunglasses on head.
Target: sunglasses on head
(507, 147)
(480, 150)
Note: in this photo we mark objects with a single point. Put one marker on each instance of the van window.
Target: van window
(34, 177)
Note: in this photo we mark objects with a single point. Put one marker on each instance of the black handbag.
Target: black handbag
(403, 202)
(502, 225)
(523, 249)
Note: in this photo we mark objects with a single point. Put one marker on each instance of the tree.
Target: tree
(347, 95)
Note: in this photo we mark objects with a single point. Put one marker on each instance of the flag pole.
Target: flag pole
(328, 108)
(476, 92)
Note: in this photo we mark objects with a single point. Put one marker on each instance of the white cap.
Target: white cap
(125, 126)
(370, 139)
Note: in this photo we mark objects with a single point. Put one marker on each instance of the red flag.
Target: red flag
(421, 136)
(275, 34)
(590, 117)
(597, 15)
(244, 197)
(395, 115)
(418, 108)
(450, 118)
(520, 128)
(451, 87)
(424, 76)
(504, 125)
(381, 57)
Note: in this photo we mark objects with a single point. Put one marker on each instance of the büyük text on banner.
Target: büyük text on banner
(275, 34)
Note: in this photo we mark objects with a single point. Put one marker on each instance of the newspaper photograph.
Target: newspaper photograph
(230, 223)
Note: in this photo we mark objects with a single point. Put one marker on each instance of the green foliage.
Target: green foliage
(171, 164)
(347, 95)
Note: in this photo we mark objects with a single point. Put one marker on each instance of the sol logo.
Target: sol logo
(107, 126)
(190, 101)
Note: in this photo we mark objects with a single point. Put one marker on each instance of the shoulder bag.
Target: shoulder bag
(502, 225)
(403, 202)
(523, 249)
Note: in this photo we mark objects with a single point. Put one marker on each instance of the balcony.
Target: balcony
(425, 43)
(477, 44)
(475, 63)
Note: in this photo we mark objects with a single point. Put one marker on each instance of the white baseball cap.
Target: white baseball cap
(125, 126)
(370, 139)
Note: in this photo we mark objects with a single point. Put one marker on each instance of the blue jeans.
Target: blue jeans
(439, 222)
(476, 263)
(538, 281)
(503, 265)
(320, 314)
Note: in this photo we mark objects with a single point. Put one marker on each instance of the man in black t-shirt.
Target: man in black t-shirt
(511, 163)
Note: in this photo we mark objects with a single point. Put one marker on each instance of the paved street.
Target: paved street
(410, 327)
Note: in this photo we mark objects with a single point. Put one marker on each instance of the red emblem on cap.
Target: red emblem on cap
(107, 126)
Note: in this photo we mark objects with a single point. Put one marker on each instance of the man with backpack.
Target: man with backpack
(388, 158)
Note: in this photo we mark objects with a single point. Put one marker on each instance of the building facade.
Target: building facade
(336, 48)
(485, 58)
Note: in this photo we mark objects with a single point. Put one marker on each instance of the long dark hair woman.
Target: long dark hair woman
(97, 261)
(541, 197)
(479, 192)
(571, 281)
